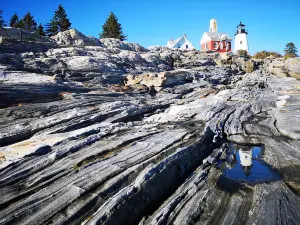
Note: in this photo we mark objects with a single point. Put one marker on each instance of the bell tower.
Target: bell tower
(241, 40)
(213, 27)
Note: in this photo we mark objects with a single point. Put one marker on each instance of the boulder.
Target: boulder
(112, 43)
(192, 59)
(158, 79)
(75, 38)
(293, 66)
(245, 64)
(226, 55)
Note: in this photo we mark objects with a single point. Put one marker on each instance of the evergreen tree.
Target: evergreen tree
(40, 30)
(112, 28)
(52, 28)
(1, 20)
(60, 22)
(290, 50)
(20, 24)
(60, 17)
(14, 20)
(29, 23)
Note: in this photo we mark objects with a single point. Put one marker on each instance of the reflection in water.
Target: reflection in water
(246, 160)
(244, 163)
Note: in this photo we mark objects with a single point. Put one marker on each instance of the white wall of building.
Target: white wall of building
(169, 44)
(183, 43)
(205, 39)
(241, 42)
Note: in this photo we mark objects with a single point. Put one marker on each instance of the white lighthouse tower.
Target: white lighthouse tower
(246, 160)
(241, 41)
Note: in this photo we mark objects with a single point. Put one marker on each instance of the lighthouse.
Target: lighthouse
(246, 160)
(241, 41)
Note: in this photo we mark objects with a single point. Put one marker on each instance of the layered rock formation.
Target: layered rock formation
(284, 67)
(78, 146)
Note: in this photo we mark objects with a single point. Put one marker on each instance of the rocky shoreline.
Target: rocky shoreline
(107, 132)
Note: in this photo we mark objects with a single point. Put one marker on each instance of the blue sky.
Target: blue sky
(271, 24)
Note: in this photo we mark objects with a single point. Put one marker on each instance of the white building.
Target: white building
(180, 43)
(241, 41)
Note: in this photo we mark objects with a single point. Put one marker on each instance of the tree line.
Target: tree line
(60, 22)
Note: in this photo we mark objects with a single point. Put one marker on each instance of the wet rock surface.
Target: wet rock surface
(80, 147)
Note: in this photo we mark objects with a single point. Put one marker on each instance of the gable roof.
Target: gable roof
(213, 36)
(172, 43)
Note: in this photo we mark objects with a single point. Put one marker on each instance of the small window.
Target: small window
(186, 46)
(241, 42)
(215, 45)
(206, 46)
(221, 45)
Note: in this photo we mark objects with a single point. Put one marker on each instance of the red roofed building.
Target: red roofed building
(214, 41)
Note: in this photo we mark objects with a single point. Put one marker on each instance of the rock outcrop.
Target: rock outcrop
(75, 38)
(278, 68)
(113, 44)
(284, 67)
(293, 66)
(16, 34)
(80, 147)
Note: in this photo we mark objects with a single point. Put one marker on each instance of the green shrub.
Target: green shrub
(275, 54)
(242, 53)
(289, 55)
(265, 54)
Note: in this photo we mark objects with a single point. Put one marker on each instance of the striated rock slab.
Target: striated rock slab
(80, 147)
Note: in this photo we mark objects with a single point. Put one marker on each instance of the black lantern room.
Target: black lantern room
(241, 29)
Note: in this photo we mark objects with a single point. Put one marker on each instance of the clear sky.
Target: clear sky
(270, 23)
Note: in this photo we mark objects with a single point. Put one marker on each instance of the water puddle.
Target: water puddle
(245, 165)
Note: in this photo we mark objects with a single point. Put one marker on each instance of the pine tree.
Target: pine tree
(1, 20)
(60, 17)
(112, 28)
(14, 20)
(60, 22)
(29, 23)
(290, 50)
(20, 24)
(52, 28)
(40, 30)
